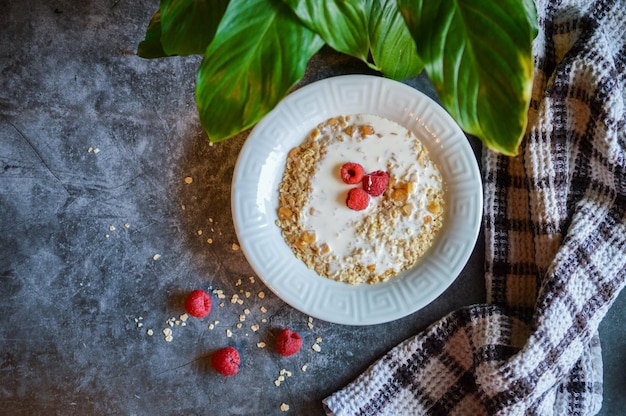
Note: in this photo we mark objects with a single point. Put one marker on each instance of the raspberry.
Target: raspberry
(357, 199)
(352, 173)
(288, 342)
(375, 183)
(226, 361)
(198, 303)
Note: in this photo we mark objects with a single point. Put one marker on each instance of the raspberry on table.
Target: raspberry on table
(352, 173)
(375, 183)
(288, 342)
(198, 303)
(226, 361)
(357, 199)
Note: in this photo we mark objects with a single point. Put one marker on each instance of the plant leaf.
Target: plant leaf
(188, 26)
(531, 14)
(393, 49)
(478, 55)
(259, 52)
(150, 47)
(342, 24)
(364, 29)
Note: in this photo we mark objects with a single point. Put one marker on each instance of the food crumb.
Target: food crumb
(199, 232)
(284, 407)
(263, 310)
(310, 323)
(150, 332)
(315, 347)
(188, 180)
(261, 344)
(156, 257)
(304, 367)
(261, 295)
(255, 327)
(251, 279)
(168, 334)
(229, 333)
(96, 151)
(111, 228)
(235, 246)
(127, 225)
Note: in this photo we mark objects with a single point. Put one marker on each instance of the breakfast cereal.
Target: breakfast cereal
(370, 242)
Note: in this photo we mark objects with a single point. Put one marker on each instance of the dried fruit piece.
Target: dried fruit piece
(357, 199)
(226, 361)
(399, 195)
(434, 207)
(309, 236)
(376, 182)
(366, 130)
(198, 303)
(284, 213)
(288, 342)
(352, 173)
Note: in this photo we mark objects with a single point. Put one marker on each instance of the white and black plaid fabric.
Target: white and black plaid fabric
(555, 228)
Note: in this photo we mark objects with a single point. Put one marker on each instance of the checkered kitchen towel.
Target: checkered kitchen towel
(555, 227)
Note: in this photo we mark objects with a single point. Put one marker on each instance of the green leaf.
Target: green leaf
(188, 26)
(259, 52)
(370, 30)
(478, 55)
(393, 49)
(531, 15)
(150, 47)
(342, 24)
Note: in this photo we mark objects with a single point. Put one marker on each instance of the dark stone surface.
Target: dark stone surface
(80, 229)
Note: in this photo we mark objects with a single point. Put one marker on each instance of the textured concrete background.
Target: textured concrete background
(95, 145)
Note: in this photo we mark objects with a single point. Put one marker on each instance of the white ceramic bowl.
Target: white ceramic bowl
(259, 171)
